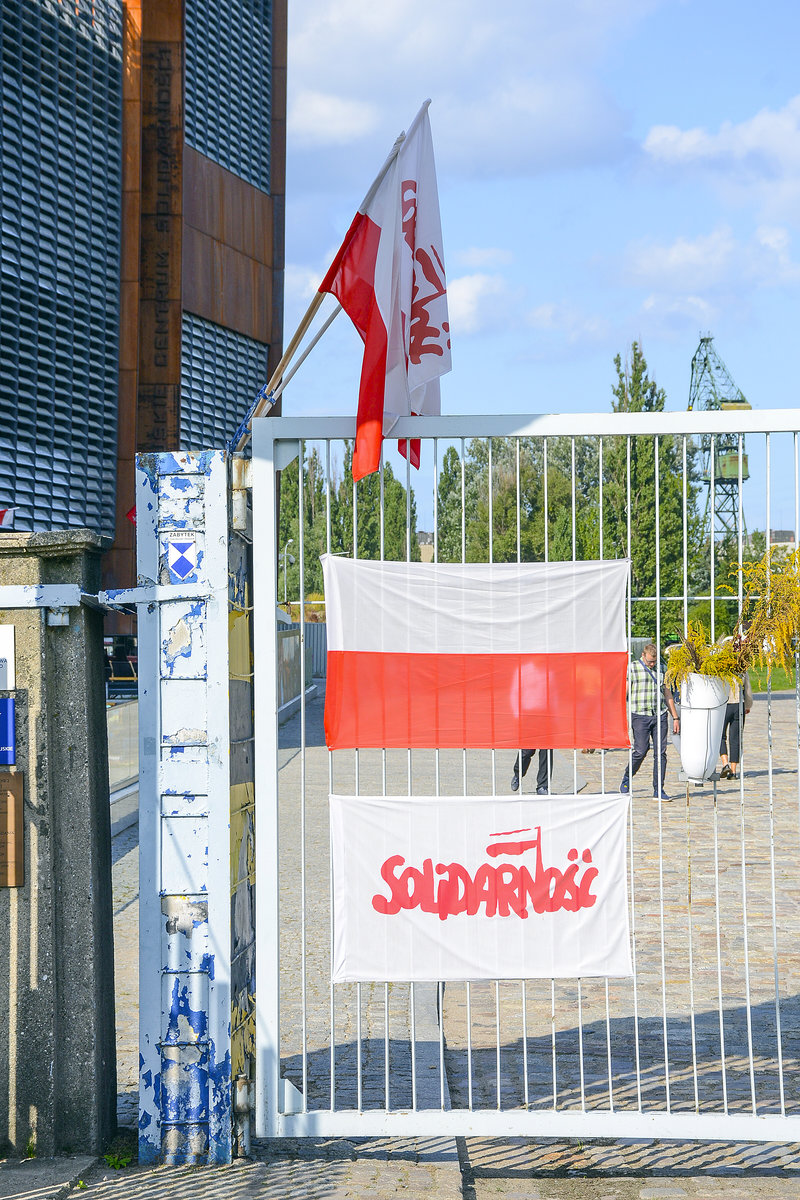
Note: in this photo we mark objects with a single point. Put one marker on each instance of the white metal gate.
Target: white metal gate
(704, 1041)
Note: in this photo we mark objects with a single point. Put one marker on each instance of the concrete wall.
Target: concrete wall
(58, 1067)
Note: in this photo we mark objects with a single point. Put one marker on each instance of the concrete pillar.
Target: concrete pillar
(58, 1076)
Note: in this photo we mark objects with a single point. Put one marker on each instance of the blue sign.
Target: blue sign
(8, 733)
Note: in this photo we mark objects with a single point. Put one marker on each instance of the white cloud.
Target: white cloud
(321, 119)
(568, 323)
(712, 264)
(516, 88)
(481, 257)
(759, 157)
(300, 283)
(478, 303)
(684, 264)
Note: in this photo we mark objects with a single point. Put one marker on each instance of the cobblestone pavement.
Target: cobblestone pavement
(707, 949)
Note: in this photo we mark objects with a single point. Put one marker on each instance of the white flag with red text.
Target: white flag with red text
(479, 887)
(389, 277)
(503, 655)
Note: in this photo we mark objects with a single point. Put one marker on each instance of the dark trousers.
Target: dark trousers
(544, 773)
(733, 730)
(645, 730)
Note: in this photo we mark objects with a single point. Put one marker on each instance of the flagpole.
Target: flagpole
(265, 397)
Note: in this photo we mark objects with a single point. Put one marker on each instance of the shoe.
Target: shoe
(625, 787)
(733, 775)
(542, 791)
(662, 796)
(515, 783)
(726, 772)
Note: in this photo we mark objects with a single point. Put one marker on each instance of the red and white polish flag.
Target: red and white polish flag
(479, 887)
(7, 518)
(502, 655)
(389, 278)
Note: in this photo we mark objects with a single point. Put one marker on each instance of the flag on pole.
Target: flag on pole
(389, 278)
(503, 655)
(7, 518)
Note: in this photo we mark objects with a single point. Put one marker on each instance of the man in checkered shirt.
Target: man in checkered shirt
(645, 681)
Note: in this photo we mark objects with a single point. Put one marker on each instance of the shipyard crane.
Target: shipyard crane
(724, 457)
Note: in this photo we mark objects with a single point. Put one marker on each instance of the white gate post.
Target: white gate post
(184, 797)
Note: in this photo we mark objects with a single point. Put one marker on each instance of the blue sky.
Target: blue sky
(609, 170)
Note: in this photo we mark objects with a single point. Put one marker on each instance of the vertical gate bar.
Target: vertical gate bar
(359, 1079)
(413, 987)
(413, 1047)
(545, 505)
(301, 450)
(469, 1047)
(692, 1024)
(603, 776)
(742, 825)
(602, 531)
(497, 1038)
(516, 471)
(522, 984)
(436, 755)
(580, 1048)
(526, 1096)
(441, 1043)
(630, 800)
(657, 772)
(574, 556)
(464, 771)
(387, 1095)
(575, 776)
(797, 647)
(572, 485)
(690, 922)
(408, 559)
(382, 555)
(265, 635)
(546, 511)
(684, 480)
(358, 792)
(553, 1040)
(330, 792)
(712, 551)
(713, 496)
(608, 1050)
(464, 764)
(491, 559)
(778, 1032)
(720, 1002)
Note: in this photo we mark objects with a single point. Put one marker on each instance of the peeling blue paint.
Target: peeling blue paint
(207, 964)
(180, 1006)
(182, 483)
(147, 463)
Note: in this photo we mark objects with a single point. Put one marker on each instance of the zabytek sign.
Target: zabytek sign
(464, 887)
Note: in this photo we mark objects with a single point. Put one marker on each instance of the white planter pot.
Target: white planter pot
(703, 703)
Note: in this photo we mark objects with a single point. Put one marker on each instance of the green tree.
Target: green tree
(656, 529)
(399, 515)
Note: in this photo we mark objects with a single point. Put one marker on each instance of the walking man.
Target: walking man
(650, 699)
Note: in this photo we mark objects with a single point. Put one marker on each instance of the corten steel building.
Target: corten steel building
(142, 175)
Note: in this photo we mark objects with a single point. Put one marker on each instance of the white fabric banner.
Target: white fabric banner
(479, 887)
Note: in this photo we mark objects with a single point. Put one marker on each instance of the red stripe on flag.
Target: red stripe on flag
(351, 279)
(506, 701)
